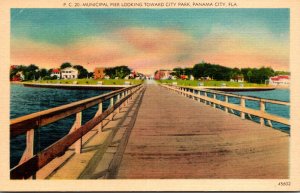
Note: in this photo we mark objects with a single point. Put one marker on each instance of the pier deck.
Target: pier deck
(173, 137)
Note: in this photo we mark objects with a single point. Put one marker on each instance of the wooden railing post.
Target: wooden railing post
(197, 98)
(126, 93)
(215, 97)
(243, 104)
(29, 150)
(118, 99)
(226, 101)
(205, 101)
(262, 109)
(111, 104)
(131, 91)
(77, 125)
(99, 112)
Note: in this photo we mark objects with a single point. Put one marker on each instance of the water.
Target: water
(27, 100)
(275, 109)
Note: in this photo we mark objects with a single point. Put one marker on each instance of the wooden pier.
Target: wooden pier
(164, 132)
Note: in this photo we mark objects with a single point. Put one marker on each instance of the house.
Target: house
(99, 73)
(162, 74)
(238, 78)
(55, 72)
(18, 77)
(281, 80)
(69, 73)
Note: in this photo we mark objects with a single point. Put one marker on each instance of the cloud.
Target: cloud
(149, 49)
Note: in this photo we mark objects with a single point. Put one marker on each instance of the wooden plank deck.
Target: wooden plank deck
(176, 137)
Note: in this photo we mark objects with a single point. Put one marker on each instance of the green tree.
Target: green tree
(65, 65)
(118, 71)
(83, 73)
(177, 72)
(249, 75)
(91, 74)
(31, 72)
(43, 73)
(49, 71)
(32, 68)
(188, 72)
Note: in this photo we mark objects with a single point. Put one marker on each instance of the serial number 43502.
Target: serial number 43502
(284, 183)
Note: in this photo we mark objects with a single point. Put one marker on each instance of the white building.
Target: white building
(55, 72)
(281, 80)
(69, 73)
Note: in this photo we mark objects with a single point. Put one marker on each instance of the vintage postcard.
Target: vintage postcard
(176, 95)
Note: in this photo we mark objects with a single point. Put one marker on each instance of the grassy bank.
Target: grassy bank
(88, 81)
(211, 83)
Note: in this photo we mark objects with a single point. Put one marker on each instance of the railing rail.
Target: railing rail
(30, 163)
(261, 113)
(273, 101)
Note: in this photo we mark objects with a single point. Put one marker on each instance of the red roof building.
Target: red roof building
(55, 72)
(281, 80)
(162, 74)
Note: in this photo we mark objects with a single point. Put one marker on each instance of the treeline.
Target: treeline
(33, 72)
(118, 71)
(218, 72)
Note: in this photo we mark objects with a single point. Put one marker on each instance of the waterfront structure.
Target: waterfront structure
(55, 72)
(281, 80)
(99, 73)
(163, 74)
(161, 145)
(69, 73)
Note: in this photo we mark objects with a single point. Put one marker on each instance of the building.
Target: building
(18, 77)
(238, 78)
(69, 73)
(184, 77)
(99, 73)
(162, 74)
(55, 72)
(281, 80)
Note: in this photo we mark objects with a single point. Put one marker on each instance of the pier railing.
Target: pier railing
(202, 95)
(30, 163)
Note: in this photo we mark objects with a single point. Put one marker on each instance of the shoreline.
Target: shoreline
(234, 89)
(73, 86)
(115, 87)
(241, 89)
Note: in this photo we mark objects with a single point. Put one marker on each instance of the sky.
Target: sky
(150, 39)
